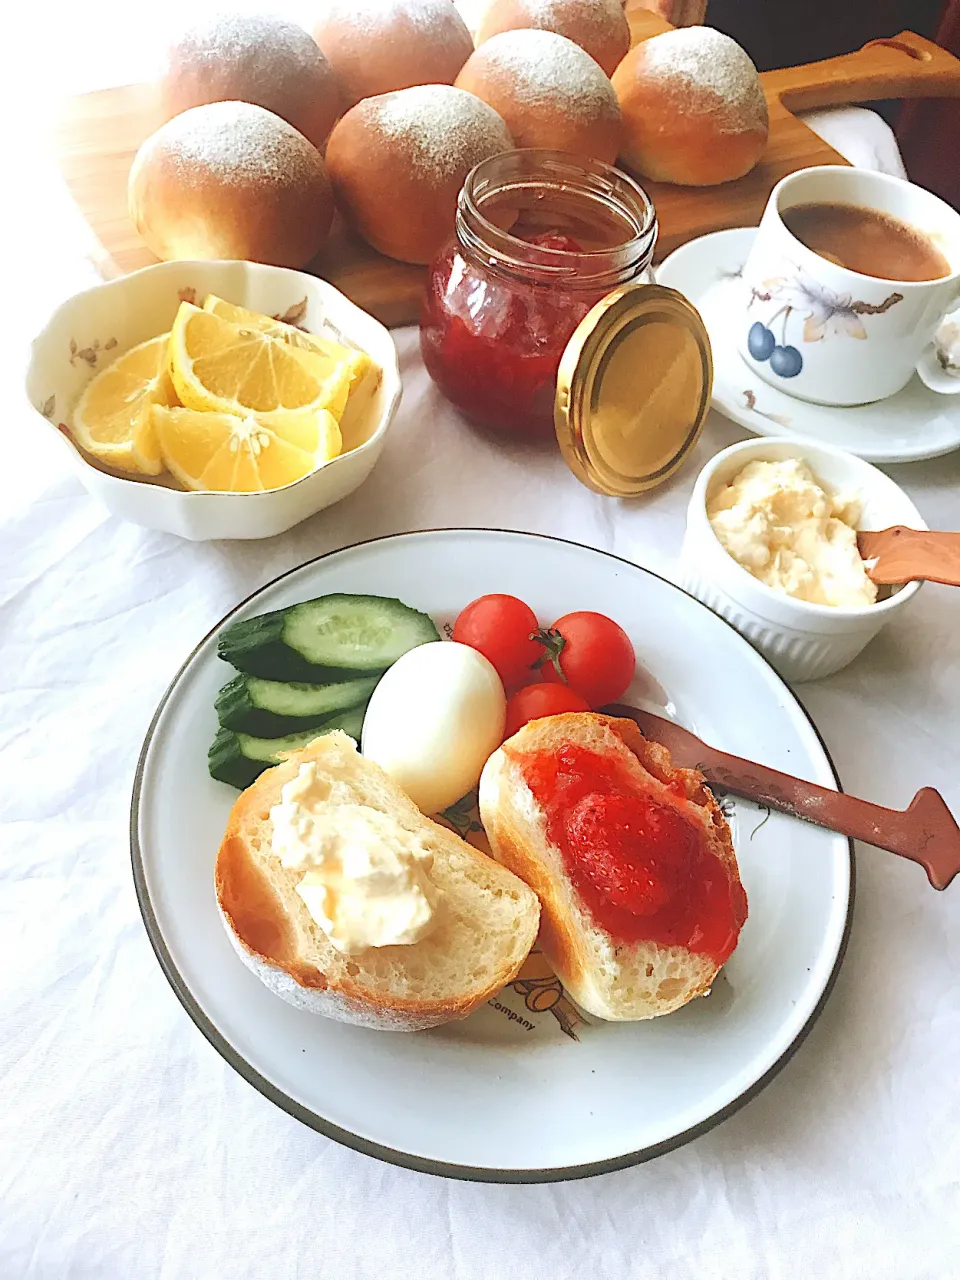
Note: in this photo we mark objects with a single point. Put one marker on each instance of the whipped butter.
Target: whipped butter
(366, 878)
(778, 522)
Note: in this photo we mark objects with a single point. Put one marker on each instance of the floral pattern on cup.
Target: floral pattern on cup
(825, 314)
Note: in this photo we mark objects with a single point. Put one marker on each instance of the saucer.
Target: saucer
(914, 424)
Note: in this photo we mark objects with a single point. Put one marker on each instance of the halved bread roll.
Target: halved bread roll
(486, 920)
(607, 976)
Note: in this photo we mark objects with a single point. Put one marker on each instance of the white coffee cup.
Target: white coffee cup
(820, 332)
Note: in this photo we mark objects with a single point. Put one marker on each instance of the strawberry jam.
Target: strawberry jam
(494, 348)
(540, 239)
(641, 867)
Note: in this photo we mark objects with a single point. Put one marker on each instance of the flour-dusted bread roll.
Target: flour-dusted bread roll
(640, 932)
(377, 46)
(598, 26)
(253, 58)
(486, 918)
(693, 108)
(397, 163)
(231, 180)
(549, 91)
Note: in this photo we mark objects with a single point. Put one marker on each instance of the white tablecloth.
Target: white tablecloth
(130, 1149)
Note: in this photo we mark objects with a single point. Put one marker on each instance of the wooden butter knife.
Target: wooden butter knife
(926, 832)
(907, 555)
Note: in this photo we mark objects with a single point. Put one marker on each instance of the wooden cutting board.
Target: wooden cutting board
(99, 133)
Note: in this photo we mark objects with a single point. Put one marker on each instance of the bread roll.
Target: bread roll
(397, 163)
(610, 978)
(377, 46)
(549, 92)
(264, 60)
(598, 26)
(486, 919)
(693, 108)
(231, 180)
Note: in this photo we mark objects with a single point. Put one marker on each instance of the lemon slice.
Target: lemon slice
(236, 369)
(332, 353)
(235, 453)
(316, 433)
(113, 419)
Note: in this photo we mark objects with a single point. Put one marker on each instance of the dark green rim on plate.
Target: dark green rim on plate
(405, 1160)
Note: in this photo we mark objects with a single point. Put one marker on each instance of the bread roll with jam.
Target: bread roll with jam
(231, 180)
(253, 58)
(484, 918)
(693, 108)
(630, 857)
(378, 46)
(599, 27)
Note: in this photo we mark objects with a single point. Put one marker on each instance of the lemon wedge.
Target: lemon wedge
(332, 353)
(113, 419)
(239, 453)
(236, 369)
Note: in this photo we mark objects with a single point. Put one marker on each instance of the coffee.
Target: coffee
(866, 240)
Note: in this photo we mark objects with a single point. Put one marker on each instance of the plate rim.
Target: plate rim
(365, 1146)
(733, 413)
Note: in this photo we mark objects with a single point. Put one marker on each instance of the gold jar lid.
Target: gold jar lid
(633, 389)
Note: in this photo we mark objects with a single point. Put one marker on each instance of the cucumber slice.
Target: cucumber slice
(325, 639)
(273, 708)
(239, 758)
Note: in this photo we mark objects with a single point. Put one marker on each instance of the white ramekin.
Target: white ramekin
(95, 326)
(802, 641)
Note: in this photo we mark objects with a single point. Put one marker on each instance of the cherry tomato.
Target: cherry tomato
(595, 655)
(500, 628)
(539, 700)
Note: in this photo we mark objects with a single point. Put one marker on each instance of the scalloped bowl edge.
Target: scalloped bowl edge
(112, 317)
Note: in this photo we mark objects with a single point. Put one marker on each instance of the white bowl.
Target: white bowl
(803, 641)
(100, 324)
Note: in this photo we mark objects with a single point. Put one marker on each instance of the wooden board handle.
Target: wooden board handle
(903, 66)
(643, 22)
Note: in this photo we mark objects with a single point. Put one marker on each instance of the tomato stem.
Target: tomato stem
(553, 645)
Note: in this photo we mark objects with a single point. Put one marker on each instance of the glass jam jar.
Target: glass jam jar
(541, 237)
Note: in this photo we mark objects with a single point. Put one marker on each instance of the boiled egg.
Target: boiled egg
(434, 720)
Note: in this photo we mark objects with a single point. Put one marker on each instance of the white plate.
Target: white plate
(916, 423)
(510, 1095)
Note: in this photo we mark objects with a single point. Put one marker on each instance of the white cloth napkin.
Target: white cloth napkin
(130, 1149)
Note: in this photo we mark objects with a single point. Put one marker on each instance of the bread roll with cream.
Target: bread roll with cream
(475, 920)
(231, 180)
(599, 27)
(693, 108)
(253, 58)
(378, 46)
(397, 163)
(620, 978)
(549, 91)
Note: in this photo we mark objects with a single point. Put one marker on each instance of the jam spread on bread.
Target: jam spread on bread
(642, 867)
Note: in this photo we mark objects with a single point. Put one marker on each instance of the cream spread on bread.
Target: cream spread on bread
(777, 521)
(366, 878)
